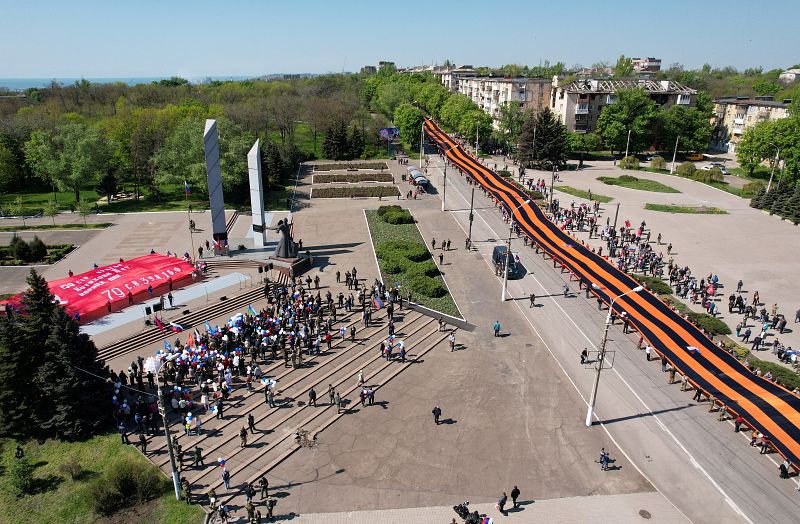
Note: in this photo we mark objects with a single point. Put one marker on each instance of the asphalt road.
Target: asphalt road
(699, 463)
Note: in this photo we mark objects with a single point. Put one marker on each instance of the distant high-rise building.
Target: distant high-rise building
(369, 70)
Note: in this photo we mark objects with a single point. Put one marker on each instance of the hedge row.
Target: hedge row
(704, 321)
(351, 165)
(689, 170)
(353, 177)
(395, 215)
(20, 252)
(355, 192)
(789, 378)
(654, 284)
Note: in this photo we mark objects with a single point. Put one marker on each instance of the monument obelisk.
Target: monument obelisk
(211, 149)
(257, 196)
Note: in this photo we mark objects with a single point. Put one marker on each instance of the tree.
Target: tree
(11, 167)
(181, 157)
(624, 67)
(334, 147)
(582, 143)
(543, 140)
(17, 208)
(511, 120)
(408, 120)
(762, 141)
(84, 209)
(108, 186)
(634, 111)
(688, 123)
(50, 209)
(355, 142)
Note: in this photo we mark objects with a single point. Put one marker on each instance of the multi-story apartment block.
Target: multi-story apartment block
(491, 93)
(789, 76)
(452, 78)
(650, 65)
(578, 104)
(732, 116)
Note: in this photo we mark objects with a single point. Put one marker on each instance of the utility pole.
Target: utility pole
(154, 365)
(421, 151)
(477, 131)
(772, 173)
(628, 143)
(471, 216)
(552, 183)
(674, 154)
(616, 214)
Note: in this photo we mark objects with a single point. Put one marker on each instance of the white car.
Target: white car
(712, 166)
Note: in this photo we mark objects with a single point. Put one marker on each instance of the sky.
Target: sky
(198, 38)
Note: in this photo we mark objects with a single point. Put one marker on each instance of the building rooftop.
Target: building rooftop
(612, 86)
(747, 101)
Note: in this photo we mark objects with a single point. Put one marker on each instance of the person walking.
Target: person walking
(226, 478)
(338, 401)
(584, 355)
(251, 423)
(501, 504)
(604, 459)
(264, 486)
(198, 457)
(533, 300)
(437, 412)
(441, 258)
(143, 443)
(243, 437)
(452, 340)
(566, 290)
(496, 328)
(515, 496)
(312, 397)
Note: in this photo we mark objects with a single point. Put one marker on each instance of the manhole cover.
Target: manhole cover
(644, 514)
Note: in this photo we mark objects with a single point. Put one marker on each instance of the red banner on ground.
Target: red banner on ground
(89, 294)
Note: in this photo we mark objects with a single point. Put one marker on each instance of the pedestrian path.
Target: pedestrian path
(633, 508)
(136, 312)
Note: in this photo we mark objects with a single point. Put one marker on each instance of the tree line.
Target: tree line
(148, 137)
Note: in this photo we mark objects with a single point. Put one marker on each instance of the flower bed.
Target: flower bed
(353, 177)
(350, 165)
(355, 192)
(404, 259)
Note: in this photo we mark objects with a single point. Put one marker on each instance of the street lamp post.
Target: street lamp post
(628, 143)
(674, 154)
(444, 188)
(508, 250)
(153, 365)
(552, 183)
(471, 216)
(602, 354)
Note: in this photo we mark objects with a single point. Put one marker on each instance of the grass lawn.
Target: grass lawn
(61, 499)
(641, 184)
(580, 193)
(45, 227)
(408, 232)
(702, 210)
(33, 202)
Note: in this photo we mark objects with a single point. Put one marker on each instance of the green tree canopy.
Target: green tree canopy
(692, 126)
(623, 67)
(511, 120)
(543, 140)
(634, 111)
(408, 120)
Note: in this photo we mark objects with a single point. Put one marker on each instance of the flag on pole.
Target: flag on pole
(177, 328)
(627, 223)
(252, 310)
(186, 187)
(159, 324)
(167, 346)
(377, 301)
(208, 326)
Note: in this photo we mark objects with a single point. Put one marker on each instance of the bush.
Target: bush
(629, 162)
(71, 467)
(505, 174)
(353, 177)
(126, 483)
(38, 251)
(427, 268)
(658, 162)
(627, 178)
(427, 286)
(751, 189)
(711, 324)
(686, 169)
(706, 177)
(350, 165)
(654, 284)
(398, 217)
(20, 249)
(20, 476)
(395, 264)
(413, 251)
(382, 210)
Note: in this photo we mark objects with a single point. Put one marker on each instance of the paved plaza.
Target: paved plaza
(513, 407)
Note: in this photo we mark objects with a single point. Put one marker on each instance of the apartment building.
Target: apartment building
(491, 93)
(578, 104)
(649, 65)
(451, 78)
(732, 116)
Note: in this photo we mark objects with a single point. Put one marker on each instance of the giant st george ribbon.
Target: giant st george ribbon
(768, 407)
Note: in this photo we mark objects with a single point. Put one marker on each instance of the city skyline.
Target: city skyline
(90, 39)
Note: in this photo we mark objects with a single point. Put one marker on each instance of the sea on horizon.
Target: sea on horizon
(21, 84)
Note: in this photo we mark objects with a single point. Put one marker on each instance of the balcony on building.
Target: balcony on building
(738, 121)
(582, 109)
(684, 100)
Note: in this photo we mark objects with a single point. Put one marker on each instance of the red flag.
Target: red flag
(159, 324)
(190, 342)
(627, 223)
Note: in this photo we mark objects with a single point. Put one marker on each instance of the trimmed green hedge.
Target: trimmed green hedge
(654, 284)
(658, 162)
(686, 169)
(703, 320)
(505, 174)
(427, 286)
(355, 192)
(629, 162)
(19, 252)
(414, 251)
(353, 177)
(350, 165)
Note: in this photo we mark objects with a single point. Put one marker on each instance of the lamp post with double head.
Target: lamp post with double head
(602, 354)
(153, 365)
